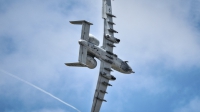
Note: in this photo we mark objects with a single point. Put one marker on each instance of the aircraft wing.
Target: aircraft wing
(105, 69)
(102, 84)
(109, 39)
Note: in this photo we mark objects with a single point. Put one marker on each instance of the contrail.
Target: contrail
(39, 89)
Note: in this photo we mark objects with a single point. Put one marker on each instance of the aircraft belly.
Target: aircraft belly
(101, 54)
(95, 51)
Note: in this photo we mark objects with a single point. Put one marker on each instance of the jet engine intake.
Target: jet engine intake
(93, 40)
(112, 39)
(91, 62)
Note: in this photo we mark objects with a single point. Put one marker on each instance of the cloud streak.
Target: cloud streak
(38, 88)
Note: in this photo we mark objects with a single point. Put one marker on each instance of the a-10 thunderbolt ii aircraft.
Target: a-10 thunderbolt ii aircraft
(89, 49)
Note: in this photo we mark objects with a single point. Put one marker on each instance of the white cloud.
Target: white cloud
(157, 31)
(44, 40)
(154, 35)
(151, 32)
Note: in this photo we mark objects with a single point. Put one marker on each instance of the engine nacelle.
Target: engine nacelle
(112, 39)
(91, 62)
(93, 40)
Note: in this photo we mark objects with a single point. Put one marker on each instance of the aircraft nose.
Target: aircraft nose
(131, 71)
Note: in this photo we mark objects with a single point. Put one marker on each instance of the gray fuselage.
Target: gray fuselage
(101, 54)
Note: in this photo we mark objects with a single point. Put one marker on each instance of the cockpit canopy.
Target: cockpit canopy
(93, 40)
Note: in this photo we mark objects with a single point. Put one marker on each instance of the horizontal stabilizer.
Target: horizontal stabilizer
(76, 64)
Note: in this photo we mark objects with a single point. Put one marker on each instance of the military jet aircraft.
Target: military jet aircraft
(89, 49)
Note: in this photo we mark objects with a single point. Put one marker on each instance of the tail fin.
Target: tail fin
(85, 28)
(84, 36)
(76, 64)
(82, 58)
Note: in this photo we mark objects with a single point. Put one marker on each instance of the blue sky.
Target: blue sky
(159, 38)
